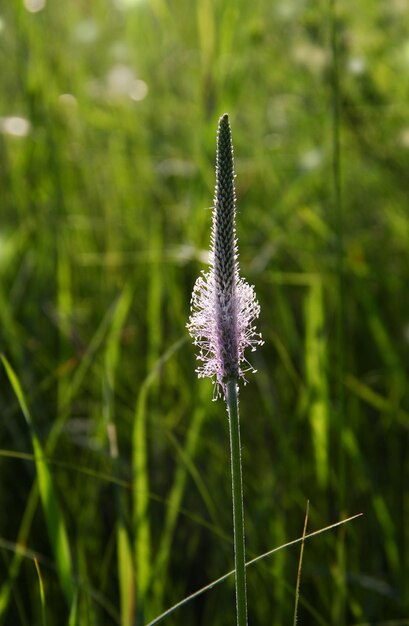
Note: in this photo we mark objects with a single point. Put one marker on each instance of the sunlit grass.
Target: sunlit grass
(104, 211)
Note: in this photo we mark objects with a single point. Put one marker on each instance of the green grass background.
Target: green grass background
(118, 480)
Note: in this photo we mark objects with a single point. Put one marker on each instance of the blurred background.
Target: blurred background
(108, 117)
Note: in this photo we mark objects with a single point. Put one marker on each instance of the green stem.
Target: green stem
(232, 401)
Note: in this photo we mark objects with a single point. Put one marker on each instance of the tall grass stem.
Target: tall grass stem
(339, 606)
(232, 401)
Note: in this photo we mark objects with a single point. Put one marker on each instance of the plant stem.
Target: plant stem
(232, 401)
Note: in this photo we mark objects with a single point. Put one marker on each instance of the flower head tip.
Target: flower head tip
(224, 305)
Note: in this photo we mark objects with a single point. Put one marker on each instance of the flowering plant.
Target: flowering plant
(224, 305)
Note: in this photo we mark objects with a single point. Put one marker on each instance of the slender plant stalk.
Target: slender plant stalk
(224, 307)
(232, 401)
(339, 605)
(297, 589)
(338, 222)
(253, 561)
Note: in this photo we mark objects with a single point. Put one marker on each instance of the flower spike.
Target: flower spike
(224, 305)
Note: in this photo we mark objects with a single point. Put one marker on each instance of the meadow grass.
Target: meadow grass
(115, 489)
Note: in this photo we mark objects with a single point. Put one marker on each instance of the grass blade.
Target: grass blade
(141, 484)
(216, 582)
(54, 517)
(141, 503)
(42, 594)
(73, 619)
(185, 466)
(297, 589)
(126, 573)
(316, 374)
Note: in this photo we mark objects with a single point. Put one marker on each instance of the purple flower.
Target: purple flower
(223, 304)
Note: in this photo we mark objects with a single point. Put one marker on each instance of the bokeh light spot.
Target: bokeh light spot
(34, 6)
(15, 126)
